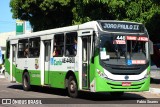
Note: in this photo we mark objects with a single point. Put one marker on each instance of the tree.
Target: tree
(43, 14)
(143, 11)
(99, 9)
(47, 14)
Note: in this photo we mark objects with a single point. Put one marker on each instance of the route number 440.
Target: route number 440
(120, 37)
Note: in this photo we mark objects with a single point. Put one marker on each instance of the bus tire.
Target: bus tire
(116, 94)
(72, 87)
(26, 82)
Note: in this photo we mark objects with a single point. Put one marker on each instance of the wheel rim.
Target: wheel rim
(25, 81)
(72, 86)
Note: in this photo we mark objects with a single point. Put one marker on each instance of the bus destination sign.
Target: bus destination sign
(122, 27)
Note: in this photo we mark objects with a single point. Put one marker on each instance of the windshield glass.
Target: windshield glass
(123, 50)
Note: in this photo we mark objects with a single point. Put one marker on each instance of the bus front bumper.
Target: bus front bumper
(105, 85)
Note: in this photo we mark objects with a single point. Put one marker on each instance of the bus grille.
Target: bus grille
(119, 86)
(126, 70)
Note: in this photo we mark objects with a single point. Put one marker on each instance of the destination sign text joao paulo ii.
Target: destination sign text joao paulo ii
(122, 27)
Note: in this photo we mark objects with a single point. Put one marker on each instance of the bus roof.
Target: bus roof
(87, 25)
(118, 21)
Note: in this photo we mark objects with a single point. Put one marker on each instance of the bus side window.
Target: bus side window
(58, 45)
(8, 50)
(22, 44)
(71, 44)
(34, 47)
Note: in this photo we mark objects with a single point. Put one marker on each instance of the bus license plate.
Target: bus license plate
(126, 83)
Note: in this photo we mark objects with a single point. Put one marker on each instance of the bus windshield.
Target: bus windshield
(123, 50)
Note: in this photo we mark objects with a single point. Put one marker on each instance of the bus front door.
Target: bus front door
(86, 46)
(47, 45)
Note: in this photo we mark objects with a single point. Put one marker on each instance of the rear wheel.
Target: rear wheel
(26, 82)
(72, 87)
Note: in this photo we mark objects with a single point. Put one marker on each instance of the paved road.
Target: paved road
(59, 96)
(155, 77)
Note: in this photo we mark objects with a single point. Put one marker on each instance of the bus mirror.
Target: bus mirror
(151, 51)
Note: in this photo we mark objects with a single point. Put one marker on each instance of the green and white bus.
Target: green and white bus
(97, 56)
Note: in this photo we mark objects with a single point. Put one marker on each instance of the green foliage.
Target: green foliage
(43, 14)
(47, 14)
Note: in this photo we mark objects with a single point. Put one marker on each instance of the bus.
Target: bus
(97, 56)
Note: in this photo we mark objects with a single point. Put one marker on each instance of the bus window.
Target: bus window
(8, 50)
(23, 48)
(71, 44)
(14, 53)
(84, 49)
(58, 46)
(34, 47)
(47, 50)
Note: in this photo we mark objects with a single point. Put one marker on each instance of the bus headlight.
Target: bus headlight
(101, 74)
(147, 74)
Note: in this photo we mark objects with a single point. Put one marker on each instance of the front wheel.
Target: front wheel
(26, 82)
(72, 87)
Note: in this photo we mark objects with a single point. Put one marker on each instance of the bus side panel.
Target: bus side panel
(59, 68)
(77, 77)
(46, 76)
(32, 66)
(35, 77)
(18, 76)
(7, 66)
(7, 69)
(34, 69)
(57, 78)
(91, 76)
(14, 71)
(92, 67)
